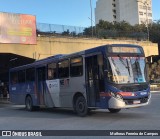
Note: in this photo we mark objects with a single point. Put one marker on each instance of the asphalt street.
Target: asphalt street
(15, 117)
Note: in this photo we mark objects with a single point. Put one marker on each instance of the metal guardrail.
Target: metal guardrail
(44, 29)
(54, 29)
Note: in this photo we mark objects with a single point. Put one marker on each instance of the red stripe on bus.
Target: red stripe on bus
(126, 94)
(102, 94)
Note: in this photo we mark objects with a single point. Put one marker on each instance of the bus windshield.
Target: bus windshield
(127, 70)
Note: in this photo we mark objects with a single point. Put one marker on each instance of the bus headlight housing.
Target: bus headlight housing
(115, 95)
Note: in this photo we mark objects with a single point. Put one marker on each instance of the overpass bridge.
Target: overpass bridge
(12, 55)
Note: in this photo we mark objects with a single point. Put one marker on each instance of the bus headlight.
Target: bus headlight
(118, 96)
(112, 94)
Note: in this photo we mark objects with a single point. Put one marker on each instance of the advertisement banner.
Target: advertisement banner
(17, 28)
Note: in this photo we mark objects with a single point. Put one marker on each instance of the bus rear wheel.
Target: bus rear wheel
(81, 106)
(29, 103)
(114, 110)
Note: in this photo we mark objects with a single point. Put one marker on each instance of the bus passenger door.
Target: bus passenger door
(94, 78)
(41, 75)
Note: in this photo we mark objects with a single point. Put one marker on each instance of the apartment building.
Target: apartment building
(132, 11)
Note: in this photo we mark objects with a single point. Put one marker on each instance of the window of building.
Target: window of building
(114, 5)
(150, 14)
(63, 69)
(76, 67)
(140, 6)
(114, 16)
(114, 11)
(140, 13)
(52, 71)
(144, 7)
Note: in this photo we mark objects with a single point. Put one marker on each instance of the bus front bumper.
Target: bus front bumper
(115, 103)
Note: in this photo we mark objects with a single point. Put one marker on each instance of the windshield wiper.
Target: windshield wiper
(126, 66)
(137, 66)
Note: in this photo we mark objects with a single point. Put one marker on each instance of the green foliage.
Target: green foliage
(66, 32)
(123, 29)
(155, 32)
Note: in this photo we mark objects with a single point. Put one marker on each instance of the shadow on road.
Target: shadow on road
(54, 113)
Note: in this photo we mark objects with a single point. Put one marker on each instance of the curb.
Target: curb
(5, 102)
(155, 91)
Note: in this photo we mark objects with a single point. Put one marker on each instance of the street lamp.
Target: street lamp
(91, 16)
(146, 6)
(94, 23)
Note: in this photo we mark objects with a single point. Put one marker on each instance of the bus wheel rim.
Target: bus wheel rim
(81, 106)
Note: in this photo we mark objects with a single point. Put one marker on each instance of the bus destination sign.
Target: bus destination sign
(124, 50)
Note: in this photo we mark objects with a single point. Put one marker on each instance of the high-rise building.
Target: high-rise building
(132, 11)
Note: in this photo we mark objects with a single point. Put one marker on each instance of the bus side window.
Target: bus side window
(14, 77)
(30, 74)
(63, 69)
(21, 76)
(52, 71)
(76, 67)
(100, 66)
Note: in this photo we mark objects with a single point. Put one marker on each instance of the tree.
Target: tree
(66, 32)
(104, 25)
(155, 32)
(105, 29)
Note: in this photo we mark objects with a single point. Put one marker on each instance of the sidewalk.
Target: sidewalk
(155, 91)
(4, 101)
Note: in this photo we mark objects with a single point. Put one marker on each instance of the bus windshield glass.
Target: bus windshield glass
(127, 70)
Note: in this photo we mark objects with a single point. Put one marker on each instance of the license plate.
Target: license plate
(136, 101)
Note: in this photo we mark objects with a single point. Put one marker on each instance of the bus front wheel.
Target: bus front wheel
(114, 110)
(29, 103)
(81, 106)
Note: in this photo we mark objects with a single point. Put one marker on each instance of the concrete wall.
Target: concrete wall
(50, 46)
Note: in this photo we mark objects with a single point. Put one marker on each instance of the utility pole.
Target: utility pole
(91, 17)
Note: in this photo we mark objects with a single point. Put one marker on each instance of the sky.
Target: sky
(62, 12)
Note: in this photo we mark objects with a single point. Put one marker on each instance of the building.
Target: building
(132, 11)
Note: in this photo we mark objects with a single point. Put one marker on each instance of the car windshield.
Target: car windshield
(127, 69)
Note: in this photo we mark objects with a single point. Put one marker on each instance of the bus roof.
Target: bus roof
(42, 62)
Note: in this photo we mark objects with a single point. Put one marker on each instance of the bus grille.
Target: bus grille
(134, 88)
(131, 101)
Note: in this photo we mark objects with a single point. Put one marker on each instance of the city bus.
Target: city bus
(110, 77)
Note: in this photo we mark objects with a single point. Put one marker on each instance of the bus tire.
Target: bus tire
(114, 110)
(29, 103)
(81, 106)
